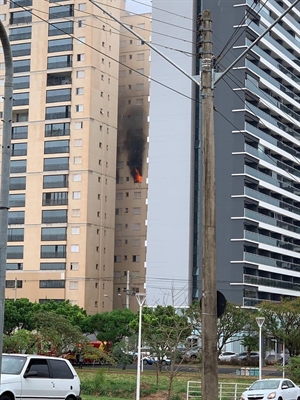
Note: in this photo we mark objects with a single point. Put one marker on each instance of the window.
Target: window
(56, 164)
(77, 178)
(16, 217)
(123, 58)
(75, 230)
(119, 196)
(61, 28)
(135, 258)
(57, 129)
(17, 183)
(122, 88)
(74, 248)
(58, 112)
(120, 179)
(21, 66)
(44, 266)
(57, 45)
(73, 286)
(141, 26)
(21, 99)
(81, 40)
(55, 181)
(56, 146)
(54, 216)
(16, 200)
(11, 284)
(139, 86)
(14, 266)
(58, 95)
(48, 284)
(136, 243)
(64, 61)
(61, 11)
(123, 43)
(19, 132)
(20, 33)
(78, 125)
(54, 234)
(74, 266)
(15, 235)
(21, 82)
(76, 195)
(19, 149)
(118, 227)
(80, 57)
(118, 211)
(59, 78)
(77, 142)
(79, 108)
(19, 50)
(137, 195)
(53, 251)
(136, 227)
(82, 6)
(139, 102)
(55, 199)
(79, 74)
(20, 17)
(117, 259)
(118, 242)
(137, 210)
(79, 91)
(3, 17)
(77, 160)
(14, 252)
(81, 23)
(75, 212)
(140, 56)
(140, 71)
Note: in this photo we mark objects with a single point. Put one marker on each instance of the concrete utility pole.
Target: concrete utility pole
(5, 170)
(209, 383)
(127, 290)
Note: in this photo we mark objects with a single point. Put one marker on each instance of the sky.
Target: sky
(138, 6)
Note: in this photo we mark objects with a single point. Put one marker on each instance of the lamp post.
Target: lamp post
(260, 321)
(141, 298)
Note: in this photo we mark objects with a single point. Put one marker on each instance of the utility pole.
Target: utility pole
(127, 290)
(209, 382)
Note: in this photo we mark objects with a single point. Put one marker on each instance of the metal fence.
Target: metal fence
(227, 391)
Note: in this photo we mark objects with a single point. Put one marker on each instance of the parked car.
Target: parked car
(244, 356)
(226, 356)
(39, 377)
(275, 389)
(149, 360)
(192, 353)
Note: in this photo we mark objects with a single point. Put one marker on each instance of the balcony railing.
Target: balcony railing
(61, 64)
(262, 281)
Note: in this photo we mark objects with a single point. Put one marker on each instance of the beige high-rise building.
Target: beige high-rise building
(64, 147)
(132, 167)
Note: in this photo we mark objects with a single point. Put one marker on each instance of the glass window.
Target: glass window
(55, 198)
(57, 45)
(61, 11)
(19, 149)
(58, 112)
(56, 146)
(60, 369)
(60, 28)
(19, 50)
(21, 99)
(56, 164)
(54, 234)
(15, 235)
(20, 33)
(14, 252)
(16, 217)
(54, 216)
(52, 266)
(53, 251)
(60, 78)
(52, 284)
(16, 200)
(57, 129)
(58, 95)
(17, 183)
(17, 166)
(11, 284)
(59, 62)
(21, 82)
(55, 181)
(20, 3)
(14, 266)
(21, 66)
(39, 366)
(19, 132)
(20, 17)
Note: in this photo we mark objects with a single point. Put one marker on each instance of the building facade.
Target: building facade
(64, 141)
(257, 128)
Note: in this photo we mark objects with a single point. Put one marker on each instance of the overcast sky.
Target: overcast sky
(138, 6)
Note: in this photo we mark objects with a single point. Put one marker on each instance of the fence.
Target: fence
(227, 391)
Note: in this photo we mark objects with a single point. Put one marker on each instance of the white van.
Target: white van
(38, 377)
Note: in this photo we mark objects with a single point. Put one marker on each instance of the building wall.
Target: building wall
(82, 155)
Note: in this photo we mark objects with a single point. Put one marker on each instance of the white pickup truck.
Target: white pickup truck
(33, 377)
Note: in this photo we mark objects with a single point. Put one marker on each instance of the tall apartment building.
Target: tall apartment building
(132, 167)
(257, 128)
(64, 140)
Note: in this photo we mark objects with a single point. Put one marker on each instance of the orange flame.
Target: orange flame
(137, 176)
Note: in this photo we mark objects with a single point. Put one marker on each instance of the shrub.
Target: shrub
(93, 385)
(293, 369)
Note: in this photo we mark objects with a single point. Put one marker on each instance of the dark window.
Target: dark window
(11, 284)
(61, 11)
(16, 200)
(20, 116)
(20, 33)
(19, 132)
(56, 164)
(16, 217)
(60, 28)
(19, 50)
(55, 181)
(58, 95)
(14, 266)
(42, 301)
(53, 251)
(58, 112)
(19, 149)
(54, 216)
(56, 146)
(60, 369)
(17, 183)
(14, 252)
(20, 17)
(61, 78)
(57, 129)
(55, 199)
(20, 3)
(17, 166)
(21, 82)
(21, 66)
(15, 235)
(54, 234)
(52, 266)
(52, 284)
(60, 45)
(21, 99)
(40, 366)
(59, 62)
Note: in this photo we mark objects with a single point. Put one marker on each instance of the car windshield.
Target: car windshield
(265, 385)
(12, 365)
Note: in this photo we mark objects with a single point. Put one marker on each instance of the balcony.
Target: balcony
(262, 281)
(273, 262)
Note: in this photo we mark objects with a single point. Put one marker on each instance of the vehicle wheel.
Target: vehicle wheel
(163, 362)
(5, 397)
(145, 362)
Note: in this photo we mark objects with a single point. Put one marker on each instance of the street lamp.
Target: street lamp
(260, 321)
(141, 298)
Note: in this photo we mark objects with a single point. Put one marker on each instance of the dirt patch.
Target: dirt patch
(159, 396)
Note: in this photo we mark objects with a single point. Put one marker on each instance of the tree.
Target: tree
(282, 321)
(20, 341)
(110, 326)
(73, 313)
(19, 313)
